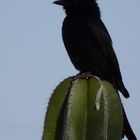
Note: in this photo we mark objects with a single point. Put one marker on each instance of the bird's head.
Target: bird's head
(79, 6)
(67, 3)
(74, 3)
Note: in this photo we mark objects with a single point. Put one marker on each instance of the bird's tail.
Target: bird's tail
(127, 130)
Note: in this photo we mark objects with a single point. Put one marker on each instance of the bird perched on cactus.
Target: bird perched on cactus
(89, 46)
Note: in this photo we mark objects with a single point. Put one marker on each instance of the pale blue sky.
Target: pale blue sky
(33, 61)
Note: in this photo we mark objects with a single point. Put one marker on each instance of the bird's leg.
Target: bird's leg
(83, 75)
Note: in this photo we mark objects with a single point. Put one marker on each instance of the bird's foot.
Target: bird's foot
(83, 75)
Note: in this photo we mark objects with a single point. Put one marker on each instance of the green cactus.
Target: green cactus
(84, 108)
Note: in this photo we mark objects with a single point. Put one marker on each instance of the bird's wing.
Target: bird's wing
(100, 33)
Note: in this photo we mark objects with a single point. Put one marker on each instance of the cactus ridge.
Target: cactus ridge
(86, 108)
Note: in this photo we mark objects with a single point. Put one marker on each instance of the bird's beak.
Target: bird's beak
(59, 2)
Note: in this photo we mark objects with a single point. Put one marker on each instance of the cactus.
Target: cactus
(83, 109)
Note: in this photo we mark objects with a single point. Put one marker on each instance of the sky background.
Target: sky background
(33, 61)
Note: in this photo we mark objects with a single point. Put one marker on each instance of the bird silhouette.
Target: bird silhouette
(89, 46)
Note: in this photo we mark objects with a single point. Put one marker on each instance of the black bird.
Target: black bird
(88, 42)
(89, 46)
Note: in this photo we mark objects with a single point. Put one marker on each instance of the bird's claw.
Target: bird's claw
(83, 75)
